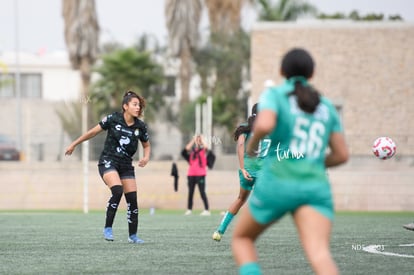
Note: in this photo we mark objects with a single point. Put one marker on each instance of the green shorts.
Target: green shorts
(247, 184)
(271, 199)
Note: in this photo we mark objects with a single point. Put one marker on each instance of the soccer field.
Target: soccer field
(72, 243)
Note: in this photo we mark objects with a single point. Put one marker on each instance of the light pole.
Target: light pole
(17, 78)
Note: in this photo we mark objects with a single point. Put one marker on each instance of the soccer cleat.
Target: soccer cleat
(188, 212)
(409, 226)
(134, 239)
(205, 213)
(108, 234)
(217, 236)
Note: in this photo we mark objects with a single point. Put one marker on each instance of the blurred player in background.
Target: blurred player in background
(249, 167)
(301, 125)
(125, 131)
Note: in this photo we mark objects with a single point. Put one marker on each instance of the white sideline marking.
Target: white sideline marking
(374, 249)
(410, 244)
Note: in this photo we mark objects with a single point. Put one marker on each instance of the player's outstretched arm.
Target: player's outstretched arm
(86, 136)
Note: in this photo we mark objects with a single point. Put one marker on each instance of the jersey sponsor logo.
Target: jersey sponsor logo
(136, 132)
(287, 154)
(118, 127)
(126, 131)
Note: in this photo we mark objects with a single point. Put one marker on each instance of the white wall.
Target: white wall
(59, 80)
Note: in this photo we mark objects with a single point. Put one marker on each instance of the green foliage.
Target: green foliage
(284, 10)
(225, 58)
(123, 70)
(147, 42)
(337, 15)
(354, 15)
(395, 17)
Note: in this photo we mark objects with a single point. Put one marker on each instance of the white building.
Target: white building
(47, 84)
(47, 76)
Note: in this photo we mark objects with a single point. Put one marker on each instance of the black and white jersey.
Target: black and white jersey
(122, 140)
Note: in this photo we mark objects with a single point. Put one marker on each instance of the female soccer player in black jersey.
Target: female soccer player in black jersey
(124, 131)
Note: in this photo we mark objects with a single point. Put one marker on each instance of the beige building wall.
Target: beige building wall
(370, 186)
(366, 68)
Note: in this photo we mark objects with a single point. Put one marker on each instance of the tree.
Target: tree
(123, 70)
(182, 20)
(224, 15)
(284, 10)
(225, 59)
(81, 37)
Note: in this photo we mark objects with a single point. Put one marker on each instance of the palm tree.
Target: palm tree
(182, 20)
(284, 10)
(123, 70)
(81, 36)
(225, 58)
(224, 15)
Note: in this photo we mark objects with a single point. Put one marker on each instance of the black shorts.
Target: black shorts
(125, 170)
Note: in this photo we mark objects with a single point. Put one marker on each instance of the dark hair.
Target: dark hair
(297, 66)
(246, 128)
(130, 95)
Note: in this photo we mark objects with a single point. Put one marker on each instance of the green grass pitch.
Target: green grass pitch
(72, 243)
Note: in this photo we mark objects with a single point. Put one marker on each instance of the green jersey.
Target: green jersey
(253, 164)
(299, 140)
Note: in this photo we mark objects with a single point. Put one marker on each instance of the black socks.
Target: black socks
(113, 204)
(132, 212)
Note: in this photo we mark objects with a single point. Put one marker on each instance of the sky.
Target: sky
(37, 26)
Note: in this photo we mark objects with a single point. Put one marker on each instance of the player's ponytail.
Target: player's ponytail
(297, 67)
(307, 97)
(246, 128)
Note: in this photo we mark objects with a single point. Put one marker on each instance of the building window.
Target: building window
(30, 85)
